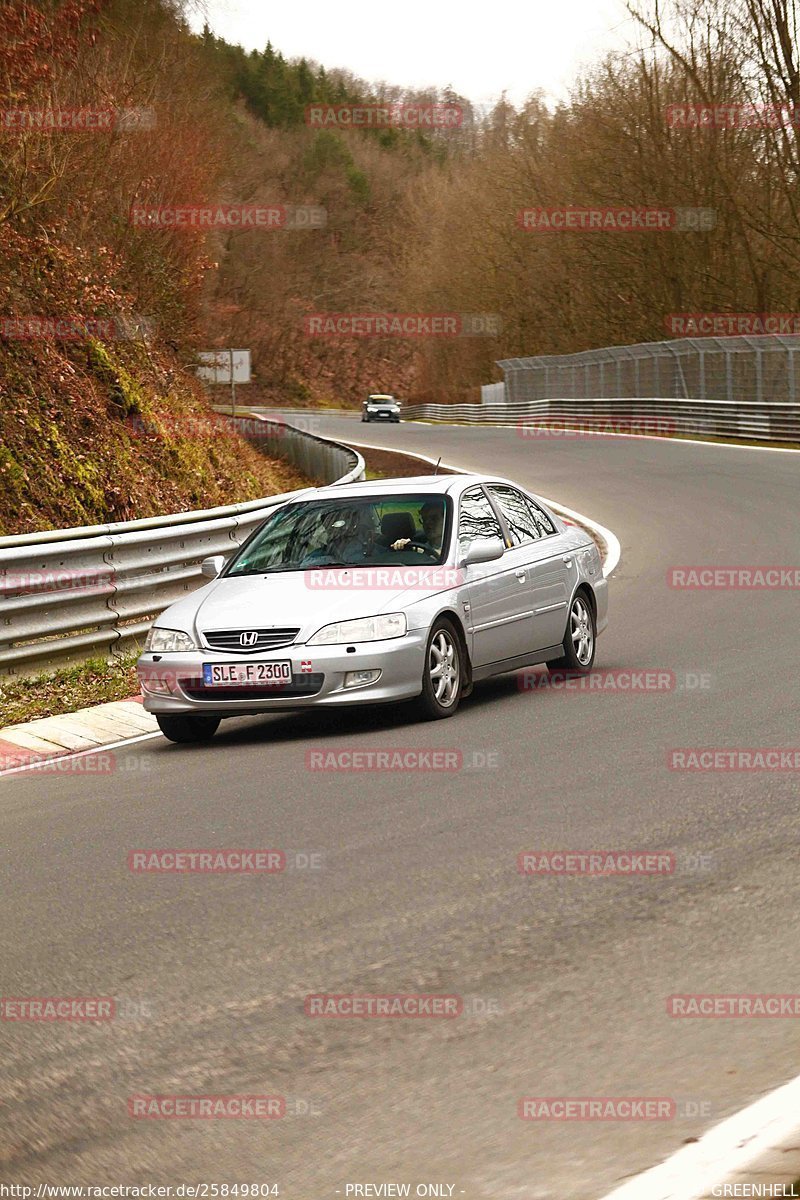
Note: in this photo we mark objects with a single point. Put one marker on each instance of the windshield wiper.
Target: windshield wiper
(286, 569)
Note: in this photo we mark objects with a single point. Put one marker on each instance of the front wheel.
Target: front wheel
(187, 727)
(579, 640)
(443, 673)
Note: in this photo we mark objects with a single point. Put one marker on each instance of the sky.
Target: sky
(480, 47)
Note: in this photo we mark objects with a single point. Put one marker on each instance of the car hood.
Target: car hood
(309, 599)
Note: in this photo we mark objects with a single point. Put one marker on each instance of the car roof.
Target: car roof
(380, 396)
(407, 485)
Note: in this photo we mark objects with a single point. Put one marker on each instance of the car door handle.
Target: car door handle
(520, 576)
(567, 560)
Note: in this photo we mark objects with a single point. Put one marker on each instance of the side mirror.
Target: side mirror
(483, 550)
(211, 567)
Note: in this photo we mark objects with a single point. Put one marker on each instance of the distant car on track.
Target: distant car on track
(402, 589)
(380, 407)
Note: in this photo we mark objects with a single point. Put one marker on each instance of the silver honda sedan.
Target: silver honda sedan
(404, 589)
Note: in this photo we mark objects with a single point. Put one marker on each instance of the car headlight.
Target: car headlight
(168, 641)
(363, 629)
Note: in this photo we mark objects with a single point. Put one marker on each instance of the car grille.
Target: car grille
(301, 685)
(265, 639)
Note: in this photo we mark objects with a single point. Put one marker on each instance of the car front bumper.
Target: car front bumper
(173, 683)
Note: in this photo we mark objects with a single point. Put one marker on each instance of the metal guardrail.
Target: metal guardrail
(777, 422)
(67, 594)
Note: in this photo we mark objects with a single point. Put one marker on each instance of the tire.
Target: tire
(580, 639)
(436, 701)
(187, 727)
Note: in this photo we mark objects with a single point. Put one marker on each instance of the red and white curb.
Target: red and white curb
(44, 744)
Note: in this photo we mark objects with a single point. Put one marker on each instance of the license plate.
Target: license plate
(247, 674)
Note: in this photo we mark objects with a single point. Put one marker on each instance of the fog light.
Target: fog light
(155, 685)
(360, 678)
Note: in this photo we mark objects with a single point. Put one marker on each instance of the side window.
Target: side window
(476, 518)
(545, 525)
(521, 521)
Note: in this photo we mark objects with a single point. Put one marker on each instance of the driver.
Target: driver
(349, 535)
(430, 539)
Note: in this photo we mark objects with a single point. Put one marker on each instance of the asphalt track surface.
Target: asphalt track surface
(418, 890)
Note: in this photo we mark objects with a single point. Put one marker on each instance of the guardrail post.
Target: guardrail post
(791, 389)
(729, 376)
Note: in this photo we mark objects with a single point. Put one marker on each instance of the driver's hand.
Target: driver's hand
(400, 544)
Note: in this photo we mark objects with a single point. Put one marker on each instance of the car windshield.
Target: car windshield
(367, 531)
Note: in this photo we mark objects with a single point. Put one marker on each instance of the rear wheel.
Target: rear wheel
(579, 639)
(443, 675)
(187, 727)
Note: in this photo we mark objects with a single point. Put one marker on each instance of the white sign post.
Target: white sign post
(225, 366)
